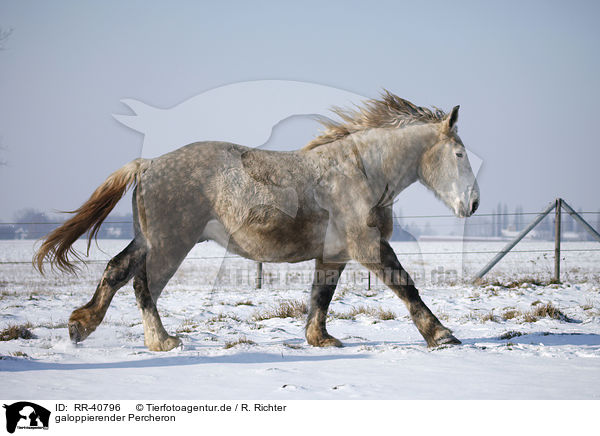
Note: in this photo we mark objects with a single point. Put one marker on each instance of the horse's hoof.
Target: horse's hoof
(328, 341)
(76, 332)
(166, 344)
(448, 339)
(332, 342)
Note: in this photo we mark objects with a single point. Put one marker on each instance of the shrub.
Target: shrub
(16, 331)
(547, 310)
(240, 340)
(286, 309)
(510, 334)
(376, 312)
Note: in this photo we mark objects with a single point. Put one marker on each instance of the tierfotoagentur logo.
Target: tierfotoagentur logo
(269, 115)
(24, 415)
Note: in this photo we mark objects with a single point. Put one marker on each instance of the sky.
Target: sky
(526, 75)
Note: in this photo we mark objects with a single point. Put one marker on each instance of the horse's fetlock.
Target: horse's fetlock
(166, 344)
(82, 323)
(317, 336)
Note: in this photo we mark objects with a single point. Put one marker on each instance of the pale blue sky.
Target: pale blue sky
(526, 75)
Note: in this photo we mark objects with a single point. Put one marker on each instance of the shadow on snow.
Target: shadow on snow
(21, 365)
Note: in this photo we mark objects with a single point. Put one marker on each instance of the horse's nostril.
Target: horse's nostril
(474, 206)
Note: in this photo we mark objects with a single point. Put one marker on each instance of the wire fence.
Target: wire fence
(50, 225)
(403, 253)
(401, 217)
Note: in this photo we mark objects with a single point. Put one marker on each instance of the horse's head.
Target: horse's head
(445, 169)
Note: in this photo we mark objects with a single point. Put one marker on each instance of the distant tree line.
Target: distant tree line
(501, 222)
(33, 224)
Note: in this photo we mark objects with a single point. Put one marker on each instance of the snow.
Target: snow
(382, 359)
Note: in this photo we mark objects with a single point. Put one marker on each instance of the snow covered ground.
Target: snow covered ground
(508, 351)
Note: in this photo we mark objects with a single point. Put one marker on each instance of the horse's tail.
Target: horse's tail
(57, 246)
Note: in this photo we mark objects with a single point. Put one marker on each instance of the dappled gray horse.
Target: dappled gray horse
(330, 201)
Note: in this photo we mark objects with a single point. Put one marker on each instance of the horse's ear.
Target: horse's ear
(452, 118)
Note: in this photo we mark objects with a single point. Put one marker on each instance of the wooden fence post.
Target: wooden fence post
(557, 225)
(515, 241)
(259, 275)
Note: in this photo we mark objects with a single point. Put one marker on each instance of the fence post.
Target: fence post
(259, 275)
(369, 280)
(514, 242)
(557, 226)
(581, 221)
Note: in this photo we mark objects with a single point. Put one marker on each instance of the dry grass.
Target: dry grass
(375, 312)
(340, 294)
(18, 354)
(286, 309)
(511, 314)
(547, 310)
(244, 303)
(56, 325)
(4, 294)
(292, 346)
(339, 315)
(16, 332)
(471, 316)
(443, 315)
(187, 326)
(520, 283)
(588, 305)
(238, 341)
(510, 334)
(538, 312)
(489, 317)
(223, 317)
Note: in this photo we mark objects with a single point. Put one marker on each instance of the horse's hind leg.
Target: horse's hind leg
(155, 336)
(324, 283)
(119, 271)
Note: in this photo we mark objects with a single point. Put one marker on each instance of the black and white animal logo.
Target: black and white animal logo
(26, 415)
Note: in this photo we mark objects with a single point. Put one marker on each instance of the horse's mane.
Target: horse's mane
(390, 111)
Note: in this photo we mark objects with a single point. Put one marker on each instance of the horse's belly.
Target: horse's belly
(288, 241)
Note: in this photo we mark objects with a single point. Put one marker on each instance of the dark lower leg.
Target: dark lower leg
(155, 336)
(396, 278)
(324, 283)
(119, 271)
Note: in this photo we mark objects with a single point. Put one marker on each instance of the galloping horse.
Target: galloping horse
(330, 201)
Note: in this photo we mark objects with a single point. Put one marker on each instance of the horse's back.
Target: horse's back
(260, 199)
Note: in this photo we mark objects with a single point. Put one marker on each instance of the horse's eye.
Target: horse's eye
(459, 154)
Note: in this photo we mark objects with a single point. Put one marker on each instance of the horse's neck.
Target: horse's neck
(391, 157)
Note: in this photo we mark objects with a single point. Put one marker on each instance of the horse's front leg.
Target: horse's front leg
(387, 267)
(324, 283)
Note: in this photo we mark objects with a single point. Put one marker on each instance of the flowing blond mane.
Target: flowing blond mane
(390, 111)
